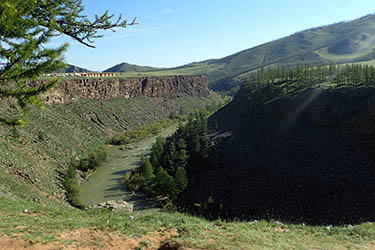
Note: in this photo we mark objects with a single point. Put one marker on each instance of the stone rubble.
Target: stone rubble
(118, 205)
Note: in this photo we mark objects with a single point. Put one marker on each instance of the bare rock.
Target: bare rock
(118, 205)
(165, 87)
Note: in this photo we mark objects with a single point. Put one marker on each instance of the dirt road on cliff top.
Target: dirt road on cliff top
(108, 181)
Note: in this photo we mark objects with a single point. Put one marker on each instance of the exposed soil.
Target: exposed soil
(91, 239)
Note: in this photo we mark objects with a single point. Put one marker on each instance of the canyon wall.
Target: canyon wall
(308, 156)
(165, 87)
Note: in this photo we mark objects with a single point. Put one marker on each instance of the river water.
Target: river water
(107, 183)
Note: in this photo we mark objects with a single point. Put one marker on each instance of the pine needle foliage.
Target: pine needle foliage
(26, 27)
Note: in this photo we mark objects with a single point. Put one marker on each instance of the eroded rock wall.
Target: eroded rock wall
(166, 87)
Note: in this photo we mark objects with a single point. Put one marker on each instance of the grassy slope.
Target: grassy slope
(34, 157)
(73, 69)
(126, 67)
(45, 222)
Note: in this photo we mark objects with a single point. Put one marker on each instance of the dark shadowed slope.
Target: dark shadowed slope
(304, 157)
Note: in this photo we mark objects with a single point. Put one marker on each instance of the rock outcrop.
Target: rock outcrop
(115, 206)
(166, 87)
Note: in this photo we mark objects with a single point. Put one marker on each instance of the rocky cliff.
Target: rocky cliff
(166, 87)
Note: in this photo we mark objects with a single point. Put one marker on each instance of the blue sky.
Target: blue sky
(173, 33)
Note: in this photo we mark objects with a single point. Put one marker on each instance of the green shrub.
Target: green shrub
(140, 133)
(72, 187)
(165, 185)
(134, 181)
(93, 161)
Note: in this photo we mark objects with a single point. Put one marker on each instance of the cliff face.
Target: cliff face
(166, 87)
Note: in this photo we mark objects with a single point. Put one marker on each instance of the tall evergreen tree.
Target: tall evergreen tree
(182, 154)
(157, 151)
(26, 26)
(181, 179)
(148, 172)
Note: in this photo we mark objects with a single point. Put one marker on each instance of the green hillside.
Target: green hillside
(126, 67)
(38, 154)
(339, 43)
(73, 69)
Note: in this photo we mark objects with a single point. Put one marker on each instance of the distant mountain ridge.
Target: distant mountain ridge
(73, 69)
(343, 42)
(126, 67)
(339, 43)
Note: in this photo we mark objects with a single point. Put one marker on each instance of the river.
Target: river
(107, 183)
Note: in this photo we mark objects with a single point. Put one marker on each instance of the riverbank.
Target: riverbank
(107, 183)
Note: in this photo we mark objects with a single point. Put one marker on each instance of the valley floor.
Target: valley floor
(108, 183)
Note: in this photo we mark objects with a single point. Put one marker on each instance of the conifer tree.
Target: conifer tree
(164, 184)
(157, 151)
(143, 165)
(26, 26)
(181, 179)
(172, 155)
(148, 172)
(182, 155)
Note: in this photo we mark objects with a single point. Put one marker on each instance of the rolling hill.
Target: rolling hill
(342, 42)
(126, 67)
(73, 69)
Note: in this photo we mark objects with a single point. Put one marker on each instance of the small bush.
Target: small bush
(134, 181)
(93, 161)
(72, 187)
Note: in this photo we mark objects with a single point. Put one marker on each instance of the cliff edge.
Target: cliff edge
(165, 87)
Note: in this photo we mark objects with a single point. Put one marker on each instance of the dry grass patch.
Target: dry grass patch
(92, 239)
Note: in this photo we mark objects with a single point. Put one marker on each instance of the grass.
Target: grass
(193, 69)
(369, 63)
(138, 134)
(323, 53)
(45, 222)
